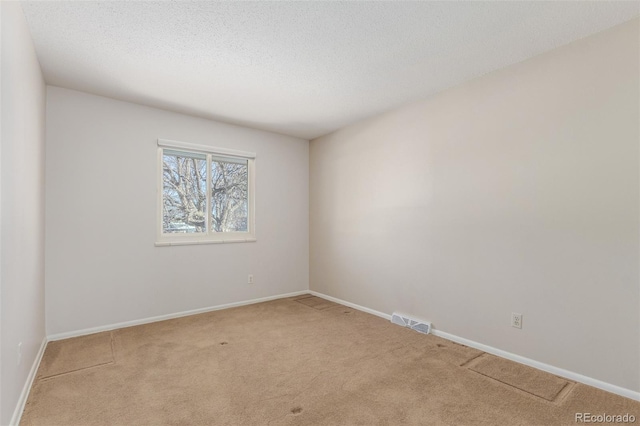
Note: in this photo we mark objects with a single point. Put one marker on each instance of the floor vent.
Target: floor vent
(412, 323)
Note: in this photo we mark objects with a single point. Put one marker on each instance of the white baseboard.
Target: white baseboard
(24, 395)
(84, 332)
(576, 377)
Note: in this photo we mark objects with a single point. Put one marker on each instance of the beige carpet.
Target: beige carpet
(286, 363)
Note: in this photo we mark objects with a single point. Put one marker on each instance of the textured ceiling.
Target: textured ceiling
(298, 68)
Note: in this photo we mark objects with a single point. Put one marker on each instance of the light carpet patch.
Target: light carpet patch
(316, 302)
(525, 378)
(78, 353)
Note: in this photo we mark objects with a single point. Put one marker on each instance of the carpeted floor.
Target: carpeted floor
(298, 361)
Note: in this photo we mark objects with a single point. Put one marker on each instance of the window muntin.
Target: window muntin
(206, 194)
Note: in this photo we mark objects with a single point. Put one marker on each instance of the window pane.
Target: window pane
(229, 195)
(183, 192)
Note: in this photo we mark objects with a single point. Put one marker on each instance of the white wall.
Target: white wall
(22, 212)
(101, 264)
(516, 192)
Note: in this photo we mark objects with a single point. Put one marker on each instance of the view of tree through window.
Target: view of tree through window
(229, 205)
(184, 193)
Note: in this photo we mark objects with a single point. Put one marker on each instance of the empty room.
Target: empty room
(319, 213)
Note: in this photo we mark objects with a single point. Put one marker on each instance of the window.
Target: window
(205, 194)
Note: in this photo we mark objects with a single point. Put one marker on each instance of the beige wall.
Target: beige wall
(22, 225)
(102, 267)
(516, 192)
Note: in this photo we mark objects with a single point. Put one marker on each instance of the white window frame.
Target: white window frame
(169, 239)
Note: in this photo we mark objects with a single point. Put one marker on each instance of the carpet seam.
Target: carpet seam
(469, 361)
(313, 307)
(113, 361)
(560, 398)
(75, 371)
(113, 352)
(522, 390)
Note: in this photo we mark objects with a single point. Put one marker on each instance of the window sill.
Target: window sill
(202, 242)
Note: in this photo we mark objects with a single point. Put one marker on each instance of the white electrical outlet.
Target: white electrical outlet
(516, 320)
(19, 353)
(250, 280)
